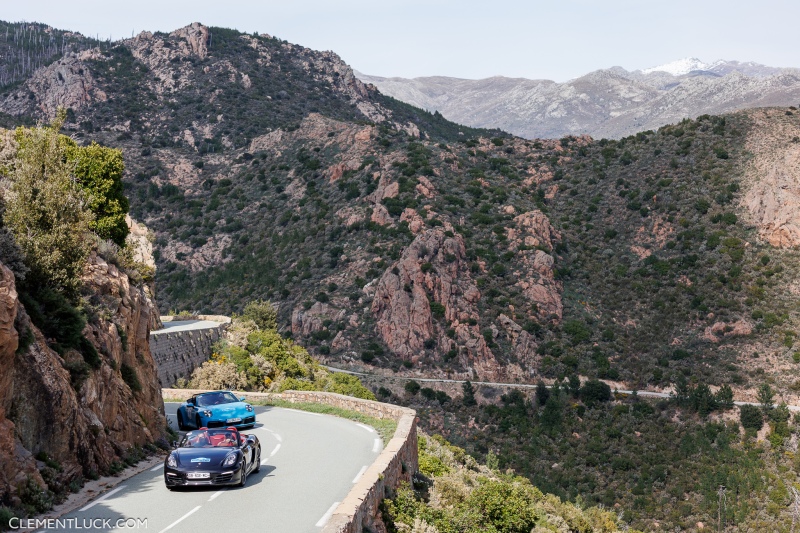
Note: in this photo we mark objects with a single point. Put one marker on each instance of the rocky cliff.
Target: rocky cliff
(772, 177)
(87, 422)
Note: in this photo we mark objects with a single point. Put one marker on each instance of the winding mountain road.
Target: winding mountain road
(309, 464)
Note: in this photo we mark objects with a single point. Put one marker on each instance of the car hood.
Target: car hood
(228, 409)
(214, 456)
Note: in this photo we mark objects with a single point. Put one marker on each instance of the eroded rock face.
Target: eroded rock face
(535, 274)
(88, 429)
(16, 463)
(66, 83)
(772, 179)
(432, 273)
(523, 344)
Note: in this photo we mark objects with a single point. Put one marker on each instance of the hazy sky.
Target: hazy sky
(556, 39)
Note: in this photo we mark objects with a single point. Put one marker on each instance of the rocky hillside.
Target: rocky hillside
(610, 103)
(79, 393)
(391, 237)
(64, 421)
(26, 47)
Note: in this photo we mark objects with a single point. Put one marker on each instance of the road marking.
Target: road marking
(327, 516)
(106, 495)
(278, 447)
(264, 461)
(360, 473)
(216, 494)
(306, 412)
(366, 427)
(157, 467)
(179, 520)
(277, 437)
(376, 446)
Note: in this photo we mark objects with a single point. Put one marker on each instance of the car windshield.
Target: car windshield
(210, 438)
(215, 398)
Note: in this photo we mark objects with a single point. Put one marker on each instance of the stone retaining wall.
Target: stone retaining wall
(398, 461)
(178, 353)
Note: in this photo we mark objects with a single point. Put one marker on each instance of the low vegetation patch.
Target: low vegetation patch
(458, 494)
(254, 357)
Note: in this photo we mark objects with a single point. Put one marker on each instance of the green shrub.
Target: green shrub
(55, 316)
(349, 386)
(595, 391)
(6, 515)
(292, 383)
(99, 170)
(412, 387)
(437, 309)
(577, 330)
(89, 352)
(751, 417)
(262, 312)
(79, 371)
(130, 378)
(503, 507)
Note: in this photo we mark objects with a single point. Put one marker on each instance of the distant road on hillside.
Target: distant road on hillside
(514, 385)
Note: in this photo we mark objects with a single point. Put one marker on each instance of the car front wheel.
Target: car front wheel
(243, 479)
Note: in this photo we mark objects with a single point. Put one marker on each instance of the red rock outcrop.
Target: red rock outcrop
(523, 345)
(535, 274)
(307, 321)
(88, 429)
(772, 179)
(432, 270)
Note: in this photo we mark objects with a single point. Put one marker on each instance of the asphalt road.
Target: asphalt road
(309, 464)
(184, 325)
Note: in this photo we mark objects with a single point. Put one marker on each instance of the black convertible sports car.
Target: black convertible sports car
(212, 457)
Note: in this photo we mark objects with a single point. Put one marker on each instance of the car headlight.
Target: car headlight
(229, 460)
(207, 413)
(249, 408)
(172, 461)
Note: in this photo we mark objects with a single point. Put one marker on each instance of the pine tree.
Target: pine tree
(469, 394)
(766, 397)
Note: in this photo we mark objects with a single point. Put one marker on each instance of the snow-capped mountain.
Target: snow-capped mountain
(681, 67)
(610, 103)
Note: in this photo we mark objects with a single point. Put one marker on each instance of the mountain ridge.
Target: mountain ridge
(610, 103)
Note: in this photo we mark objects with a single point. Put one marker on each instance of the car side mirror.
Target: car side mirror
(251, 439)
(189, 402)
(241, 398)
(174, 444)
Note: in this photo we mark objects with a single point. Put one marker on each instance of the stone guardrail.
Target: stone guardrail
(397, 462)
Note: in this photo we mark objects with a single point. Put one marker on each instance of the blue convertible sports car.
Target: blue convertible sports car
(215, 410)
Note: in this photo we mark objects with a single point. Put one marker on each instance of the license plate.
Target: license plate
(231, 420)
(198, 475)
